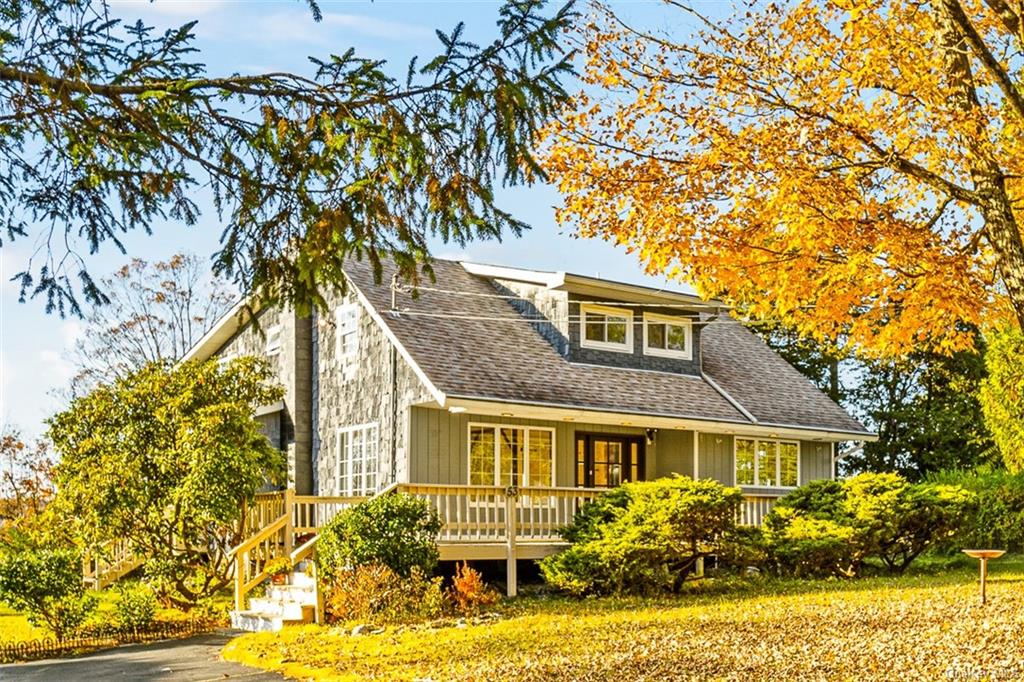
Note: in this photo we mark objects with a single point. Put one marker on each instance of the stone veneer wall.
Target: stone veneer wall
(549, 308)
(357, 392)
(292, 365)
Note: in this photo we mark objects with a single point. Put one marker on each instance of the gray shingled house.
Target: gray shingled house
(508, 396)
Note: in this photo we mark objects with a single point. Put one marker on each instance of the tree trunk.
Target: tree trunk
(1001, 228)
(1004, 235)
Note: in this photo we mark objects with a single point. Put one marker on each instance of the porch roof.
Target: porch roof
(469, 342)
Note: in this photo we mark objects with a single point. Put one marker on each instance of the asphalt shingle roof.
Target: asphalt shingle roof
(475, 344)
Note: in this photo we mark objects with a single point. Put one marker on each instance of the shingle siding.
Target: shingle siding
(292, 366)
(357, 392)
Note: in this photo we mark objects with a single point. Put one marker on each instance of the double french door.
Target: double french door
(605, 461)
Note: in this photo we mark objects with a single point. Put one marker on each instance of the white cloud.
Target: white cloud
(377, 28)
(168, 8)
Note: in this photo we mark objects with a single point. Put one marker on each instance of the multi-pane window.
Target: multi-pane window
(667, 336)
(767, 462)
(357, 461)
(273, 340)
(346, 329)
(606, 328)
(511, 456)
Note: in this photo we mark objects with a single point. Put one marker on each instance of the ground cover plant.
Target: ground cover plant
(921, 626)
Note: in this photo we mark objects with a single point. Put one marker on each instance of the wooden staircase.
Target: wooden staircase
(108, 564)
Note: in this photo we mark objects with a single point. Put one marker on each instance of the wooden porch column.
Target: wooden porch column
(289, 525)
(510, 535)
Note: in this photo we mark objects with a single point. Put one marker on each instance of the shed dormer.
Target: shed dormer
(600, 322)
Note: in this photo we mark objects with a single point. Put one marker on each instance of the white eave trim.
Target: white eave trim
(226, 327)
(591, 286)
(571, 413)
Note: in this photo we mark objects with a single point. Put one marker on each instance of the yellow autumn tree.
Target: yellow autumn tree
(849, 168)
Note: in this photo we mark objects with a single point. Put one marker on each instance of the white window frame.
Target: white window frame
(339, 445)
(778, 462)
(524, 475)
(223, 360)
(685, 322)
(273, 341)
(340, 312)
(626, 347)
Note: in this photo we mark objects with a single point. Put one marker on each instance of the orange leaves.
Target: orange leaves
(804, 161)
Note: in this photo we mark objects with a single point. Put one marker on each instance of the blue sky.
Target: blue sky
(250, 36)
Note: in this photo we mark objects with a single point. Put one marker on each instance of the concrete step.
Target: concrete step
(295, 593)
(288, 610)
(299, 579)
(256, 621)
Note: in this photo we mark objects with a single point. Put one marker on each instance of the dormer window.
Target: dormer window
(669, 337)
(606, 328)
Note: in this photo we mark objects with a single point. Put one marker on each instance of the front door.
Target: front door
(605, 461)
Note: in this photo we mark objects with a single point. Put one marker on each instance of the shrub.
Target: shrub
(398, 531)
(996, 520)
(375, 593)
(834, 527)
(1002, 393)
(643, 537)
(469, 592)
(135, 608)
(46, 584)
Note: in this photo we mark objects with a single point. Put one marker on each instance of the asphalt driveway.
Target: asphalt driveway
(196, 659)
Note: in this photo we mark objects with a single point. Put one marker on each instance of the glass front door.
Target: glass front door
(604, 461)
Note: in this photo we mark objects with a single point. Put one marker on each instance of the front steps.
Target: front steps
(293, 603)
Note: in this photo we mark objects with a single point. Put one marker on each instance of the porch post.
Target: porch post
(289, 525)
(510, 537)
(696, 454)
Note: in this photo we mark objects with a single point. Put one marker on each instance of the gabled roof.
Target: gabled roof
(473, 344)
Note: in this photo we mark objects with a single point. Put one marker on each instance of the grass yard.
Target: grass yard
(14, 626)
(926, 626)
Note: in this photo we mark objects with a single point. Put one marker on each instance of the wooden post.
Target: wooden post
(984, 576)
(510, 537)
(289, 525)
(318, 596)
(239, 583)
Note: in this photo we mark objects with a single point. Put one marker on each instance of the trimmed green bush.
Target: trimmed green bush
(643, 537)
(135, 608)
(834, 527)
(46, 584)
(397, 530)
(997, 517)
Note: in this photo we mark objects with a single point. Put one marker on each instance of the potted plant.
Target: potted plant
(278, 569)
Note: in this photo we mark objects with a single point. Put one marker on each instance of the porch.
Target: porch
(477, 523)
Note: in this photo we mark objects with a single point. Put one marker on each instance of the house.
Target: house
(554, 384)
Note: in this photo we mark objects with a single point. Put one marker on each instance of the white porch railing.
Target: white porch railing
(481, 513)
(754, 508)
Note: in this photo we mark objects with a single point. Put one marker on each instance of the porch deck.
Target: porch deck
(477, 523)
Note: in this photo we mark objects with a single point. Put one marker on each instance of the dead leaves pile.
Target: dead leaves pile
(877, 630)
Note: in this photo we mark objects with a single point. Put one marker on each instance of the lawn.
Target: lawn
(924, 627)
(14, 626)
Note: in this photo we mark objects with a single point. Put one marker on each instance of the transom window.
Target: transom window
(357, 460)
(667, 336)
(511, 456)
(606, 328)
(346, 320)
(767, 462)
